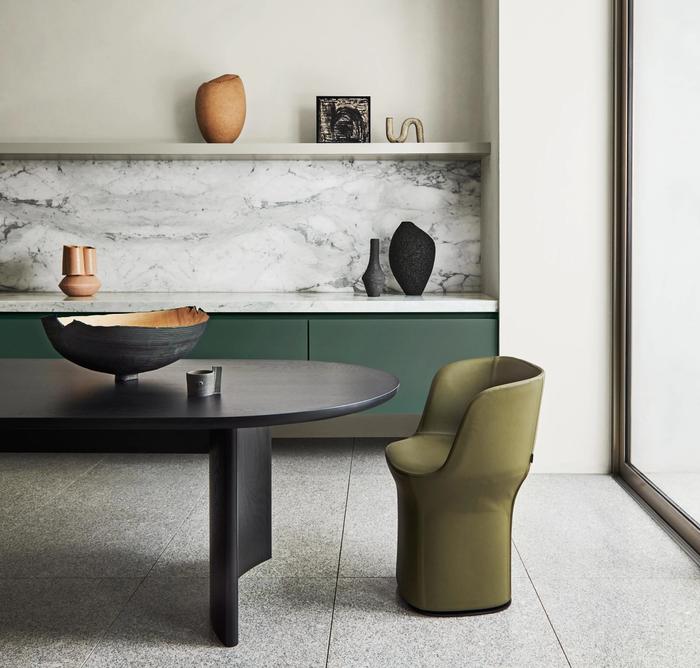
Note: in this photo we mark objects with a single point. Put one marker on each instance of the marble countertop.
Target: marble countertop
(246, 302)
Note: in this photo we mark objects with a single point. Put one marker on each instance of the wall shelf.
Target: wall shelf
(241, 151)
(248, 302)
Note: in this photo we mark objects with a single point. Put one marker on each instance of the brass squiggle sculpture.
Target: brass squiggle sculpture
(405, 127)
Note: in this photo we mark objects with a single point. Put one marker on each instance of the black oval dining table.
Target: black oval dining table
(49, 395)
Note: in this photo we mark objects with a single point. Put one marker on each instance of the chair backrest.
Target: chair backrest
(453, 387)
(496, 436)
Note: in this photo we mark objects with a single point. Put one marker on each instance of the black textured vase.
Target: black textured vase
(373, 278)
(411, 257)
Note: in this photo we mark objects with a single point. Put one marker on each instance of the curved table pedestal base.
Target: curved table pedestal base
(240, 518)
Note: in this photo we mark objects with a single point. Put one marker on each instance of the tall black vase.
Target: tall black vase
(411, 257)
(373, 278)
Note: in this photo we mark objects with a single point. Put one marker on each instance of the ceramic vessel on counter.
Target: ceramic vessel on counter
(411, 257)
(220, 109)
(79, 268)
(373, 278)
(126, 344)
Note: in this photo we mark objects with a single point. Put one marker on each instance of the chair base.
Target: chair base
(459, 613)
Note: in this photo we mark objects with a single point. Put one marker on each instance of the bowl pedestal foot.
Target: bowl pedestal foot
(126, 377)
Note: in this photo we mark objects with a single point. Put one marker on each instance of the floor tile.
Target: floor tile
(30, 480)
(371, 627)
(517, 566)
(369, 540)
(112, 522)
(314, 456)
(307, 528)
(162, 483)
(187, 554)
(604, 622)
(56, 622)
(283, 622)
(571, 526)
(78, 541)
(368, 456)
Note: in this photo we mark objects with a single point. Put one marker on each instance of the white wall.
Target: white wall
(101, 69)
(666, 237)
(555, 64)
(98, 69)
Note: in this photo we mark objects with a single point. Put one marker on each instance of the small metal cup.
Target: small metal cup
(204, 382)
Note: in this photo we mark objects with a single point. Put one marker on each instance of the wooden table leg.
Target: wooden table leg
(240, 519)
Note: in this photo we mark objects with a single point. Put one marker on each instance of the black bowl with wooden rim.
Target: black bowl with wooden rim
(126, 344)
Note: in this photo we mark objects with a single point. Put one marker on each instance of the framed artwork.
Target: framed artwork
(342, 120)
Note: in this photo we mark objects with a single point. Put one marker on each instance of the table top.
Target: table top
(42, 393)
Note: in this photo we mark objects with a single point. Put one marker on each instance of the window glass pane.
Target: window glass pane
(665, 258)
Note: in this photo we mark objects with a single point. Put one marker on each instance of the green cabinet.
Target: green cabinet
(22, 335)
(258, 337)
(412, 348)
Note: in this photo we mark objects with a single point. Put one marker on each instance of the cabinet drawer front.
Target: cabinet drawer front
(22, 335)
(412, 349)
(236, 337)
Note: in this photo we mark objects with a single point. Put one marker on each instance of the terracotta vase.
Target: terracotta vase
(80, 286)
(79, 267)
(220, 109)
(73, 261)
(90, 260)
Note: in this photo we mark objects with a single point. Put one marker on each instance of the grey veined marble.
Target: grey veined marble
(234, 226)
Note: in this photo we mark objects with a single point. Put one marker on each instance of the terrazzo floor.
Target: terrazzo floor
(104, 562)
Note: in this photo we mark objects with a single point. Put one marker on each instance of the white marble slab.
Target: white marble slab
(217, 225)
(236, 302)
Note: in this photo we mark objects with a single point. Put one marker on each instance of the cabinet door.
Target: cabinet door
(411, 348)
(240, 337)
(22, 335)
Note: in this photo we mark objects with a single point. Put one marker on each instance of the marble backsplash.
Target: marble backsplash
(263, 226)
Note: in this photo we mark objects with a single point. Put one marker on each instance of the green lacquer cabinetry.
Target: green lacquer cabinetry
(411, 346)
(22, 335)
(254, 337)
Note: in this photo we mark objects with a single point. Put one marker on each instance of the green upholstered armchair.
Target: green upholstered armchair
(457, 479)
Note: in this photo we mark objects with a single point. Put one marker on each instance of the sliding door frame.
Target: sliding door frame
(674, 516)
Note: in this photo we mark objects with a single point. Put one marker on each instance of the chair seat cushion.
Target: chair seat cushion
(419, 454)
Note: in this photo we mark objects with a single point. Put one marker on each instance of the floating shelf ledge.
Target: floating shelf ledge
(247, 302)
(241, 151)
